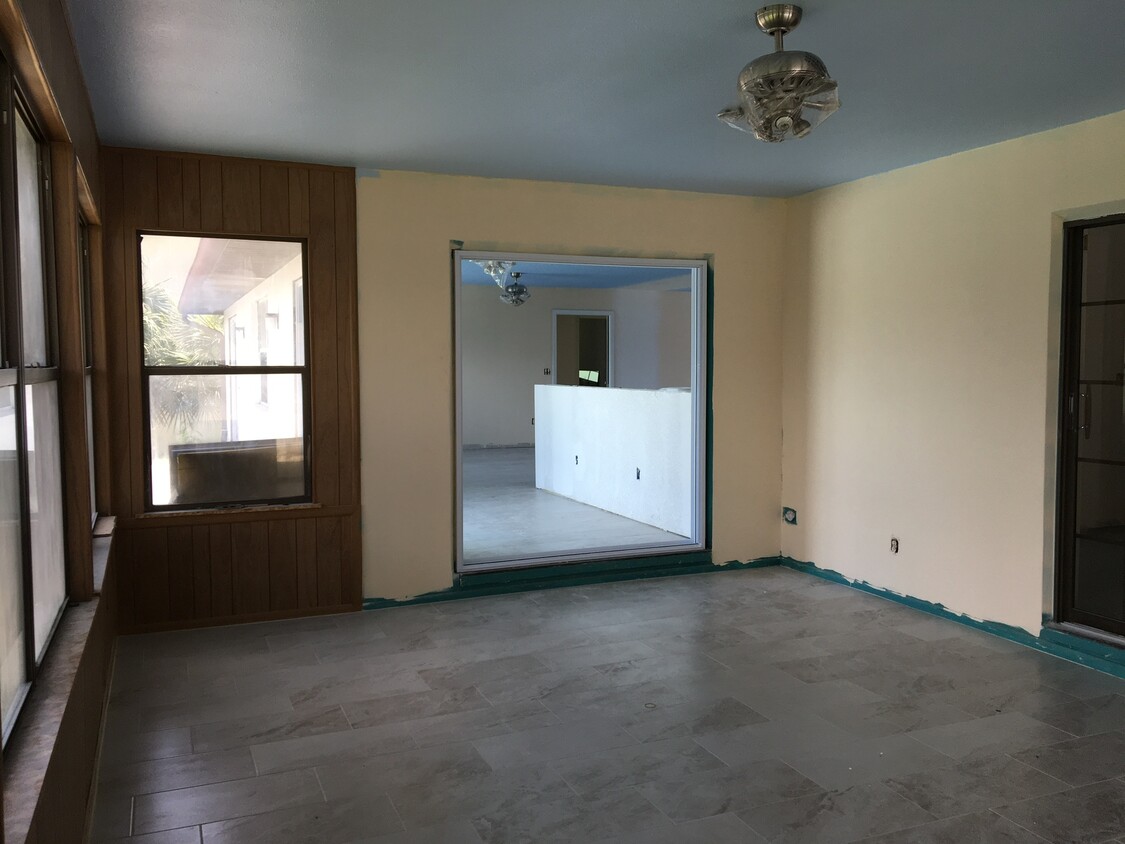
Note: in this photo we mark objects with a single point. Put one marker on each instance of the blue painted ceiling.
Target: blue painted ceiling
(621, 93)
(589, 276)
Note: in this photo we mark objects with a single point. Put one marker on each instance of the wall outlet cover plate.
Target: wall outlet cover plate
(789, 515)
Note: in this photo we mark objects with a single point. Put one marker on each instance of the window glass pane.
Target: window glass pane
(31, 245)
(214, 440)
(90, 444)
(44, 471)
(12, 672)
(211, 301)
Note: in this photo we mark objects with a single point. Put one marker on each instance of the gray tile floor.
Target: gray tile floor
(506, 517)
(736, 707)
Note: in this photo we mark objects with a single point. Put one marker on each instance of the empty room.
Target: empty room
(592, 422)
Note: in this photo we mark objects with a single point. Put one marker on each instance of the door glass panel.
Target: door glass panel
(1099, 578)
(12, 674)
(553, 471)
(31, 245)
(44, 472)
(1104, 259)
(1102, 423)
(1103, 343)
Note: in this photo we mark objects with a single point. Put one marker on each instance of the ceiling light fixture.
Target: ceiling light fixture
(786, 93)
(507, 280)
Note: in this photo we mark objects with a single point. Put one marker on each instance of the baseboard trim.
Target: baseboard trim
(578, 574)
(1059, 644)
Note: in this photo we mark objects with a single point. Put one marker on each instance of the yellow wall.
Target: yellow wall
(921, 340)
(406, 222)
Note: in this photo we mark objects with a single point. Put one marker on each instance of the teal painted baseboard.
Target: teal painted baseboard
(1096, 655)
(577, 574)
(1101, 657)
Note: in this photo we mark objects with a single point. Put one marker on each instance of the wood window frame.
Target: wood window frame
(17, 373)
(303, 369)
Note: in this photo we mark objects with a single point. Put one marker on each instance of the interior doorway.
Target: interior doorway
(548, 470)
(1091, 529)
(583, 348)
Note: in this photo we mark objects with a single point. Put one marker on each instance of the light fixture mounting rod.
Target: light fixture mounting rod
(778, 20)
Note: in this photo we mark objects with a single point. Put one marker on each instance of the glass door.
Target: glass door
(1092, 529)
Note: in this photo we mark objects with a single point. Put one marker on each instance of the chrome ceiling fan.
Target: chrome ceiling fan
(784, 94)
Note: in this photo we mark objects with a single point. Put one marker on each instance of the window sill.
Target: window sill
(34, 740)
(211, 512)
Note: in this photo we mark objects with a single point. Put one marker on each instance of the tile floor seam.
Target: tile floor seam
(1065, 785)
(483, 695)
(394, 808)
(1021, 826)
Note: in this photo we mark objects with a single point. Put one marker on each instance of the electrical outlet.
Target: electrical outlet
(894, 545)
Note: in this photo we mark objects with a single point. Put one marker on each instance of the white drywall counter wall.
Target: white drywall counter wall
(625, 451)
(505, 350)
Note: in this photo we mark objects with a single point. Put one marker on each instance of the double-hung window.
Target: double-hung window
(226, 386)
(32, 558)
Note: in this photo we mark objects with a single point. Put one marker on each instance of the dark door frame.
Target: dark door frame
(1069, 414)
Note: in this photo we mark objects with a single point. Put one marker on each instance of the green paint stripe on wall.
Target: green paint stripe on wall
(578, 574)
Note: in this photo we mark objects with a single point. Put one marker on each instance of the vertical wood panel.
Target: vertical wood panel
(72, 375)
(150, 574)
(347, 388)
(124, 566)
(275, 199)
(306, 564)
(322, 307)
(170, 192)
(242, 196)
(192, 220)
(250, 567)
(298, 201)
(117, 373)
(141, 198)
(283, 565)
(181, 573)
(101, 381)
(222, 579)
(210, 195)
(351, 562)
(140, 208)
(328, 562)
(201, 568)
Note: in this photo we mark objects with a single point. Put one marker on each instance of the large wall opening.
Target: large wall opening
(610, 463)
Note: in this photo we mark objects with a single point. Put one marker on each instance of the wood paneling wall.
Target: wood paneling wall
(206, 567)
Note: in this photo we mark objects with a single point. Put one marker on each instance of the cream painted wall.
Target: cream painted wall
(921, 340)
(406, 224)
(506, 349)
